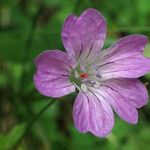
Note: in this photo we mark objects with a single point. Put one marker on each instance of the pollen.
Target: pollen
(84, 75)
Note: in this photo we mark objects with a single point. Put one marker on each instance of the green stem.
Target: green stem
(34, 120)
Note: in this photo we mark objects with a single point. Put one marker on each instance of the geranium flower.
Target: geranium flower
(105, 79)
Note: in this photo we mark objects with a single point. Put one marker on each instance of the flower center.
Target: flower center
(84, 78)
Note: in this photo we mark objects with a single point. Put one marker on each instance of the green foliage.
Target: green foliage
(9, 140)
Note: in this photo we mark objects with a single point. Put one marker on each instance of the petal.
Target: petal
(122, 100)
(93, 114)
(125, 59)
(132, 90)
(52, 76)
(84, 36)
(125, 47)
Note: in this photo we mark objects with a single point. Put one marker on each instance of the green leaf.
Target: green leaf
(2, 142)
(8, 141)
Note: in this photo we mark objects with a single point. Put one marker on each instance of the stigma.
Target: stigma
(84, 75)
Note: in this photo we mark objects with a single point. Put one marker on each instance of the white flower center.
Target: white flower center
(85, 77)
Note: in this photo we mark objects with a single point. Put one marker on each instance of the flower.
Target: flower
(105, 79)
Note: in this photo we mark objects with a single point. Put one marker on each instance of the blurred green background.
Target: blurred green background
(28, 27)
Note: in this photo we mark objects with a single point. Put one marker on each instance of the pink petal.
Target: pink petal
(93, 114)
(84, 36)
(133, 90)
(125, 96)
(52, 76)
(125, 59)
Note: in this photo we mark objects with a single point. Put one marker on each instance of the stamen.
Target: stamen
(96, 84)
(77, 86)
(99, 76)
(82, 68)
(83, 87)
(95, 67)
(76, 74)
(89, 82)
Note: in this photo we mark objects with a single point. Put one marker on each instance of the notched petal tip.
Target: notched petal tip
(90, 26)
(125, 58)
(125, 96)
(52, 75)
(39, 57)
(142, 39)
(70, 18)
(91, 113)
(91, 10)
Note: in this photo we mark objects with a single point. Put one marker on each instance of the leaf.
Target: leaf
(8, 141)
(2, 142)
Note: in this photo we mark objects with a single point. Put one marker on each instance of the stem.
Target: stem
(34, 120)
(37, 116)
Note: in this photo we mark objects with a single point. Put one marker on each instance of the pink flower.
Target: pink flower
(105, 79)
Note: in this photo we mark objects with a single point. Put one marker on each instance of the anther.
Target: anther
(76, 74)
(99, 76)
(83, 87)
(96, 84)
(95, 67)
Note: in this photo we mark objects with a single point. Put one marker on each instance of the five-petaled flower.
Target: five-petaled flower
(105, 79)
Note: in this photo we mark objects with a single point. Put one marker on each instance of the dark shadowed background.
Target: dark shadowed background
(28, 27)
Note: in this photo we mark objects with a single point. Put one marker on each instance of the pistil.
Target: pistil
(84, 75)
